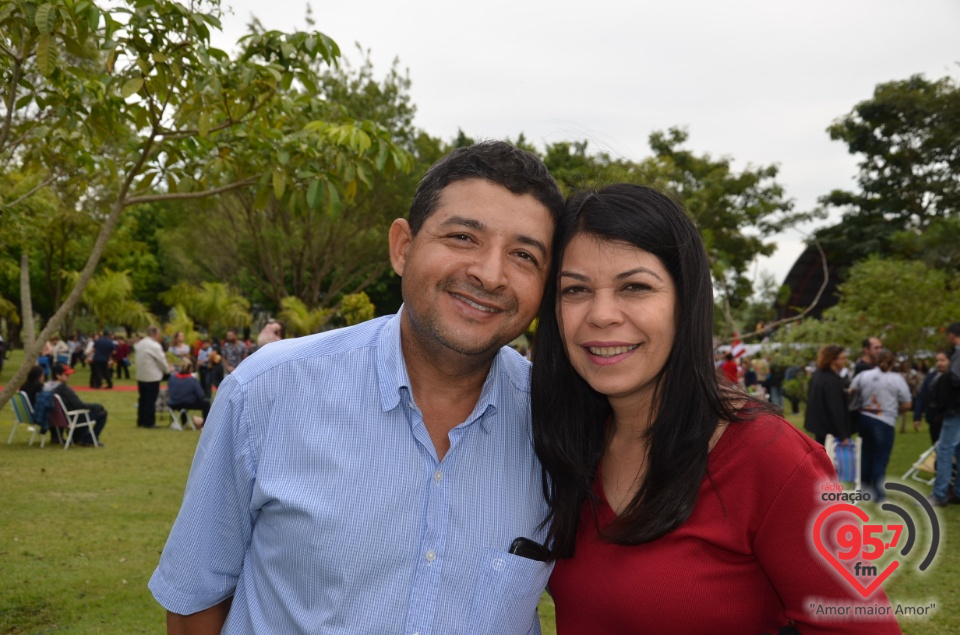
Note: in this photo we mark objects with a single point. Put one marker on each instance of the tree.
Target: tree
(356, 308)
(736, 213)
(134, 103)
(908, 139)
(271, 251)
(903, 303)
(936, 245)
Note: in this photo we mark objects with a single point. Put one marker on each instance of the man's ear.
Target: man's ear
(400, 239)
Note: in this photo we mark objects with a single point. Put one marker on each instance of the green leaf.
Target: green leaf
(93, 18)
(315, 194)
(279, 184)
(333, 205)
(46, 19)
(382, 153)
(46, 54)
(363, 176)
(131, 87)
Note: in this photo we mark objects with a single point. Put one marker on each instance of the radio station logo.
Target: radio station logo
(865, 550)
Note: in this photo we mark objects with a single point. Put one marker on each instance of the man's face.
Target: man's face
(872, 352)
(231, 336)
(474, 275)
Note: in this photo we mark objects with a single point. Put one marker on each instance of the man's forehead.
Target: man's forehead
(475, 197)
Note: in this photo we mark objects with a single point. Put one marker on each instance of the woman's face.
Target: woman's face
(616, 311)
(839, 362)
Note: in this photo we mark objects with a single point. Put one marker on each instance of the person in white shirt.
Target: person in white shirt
(151, 367)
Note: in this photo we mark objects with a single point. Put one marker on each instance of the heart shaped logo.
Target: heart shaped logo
(865, 591)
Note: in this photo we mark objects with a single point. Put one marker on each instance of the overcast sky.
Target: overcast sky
(758, 81)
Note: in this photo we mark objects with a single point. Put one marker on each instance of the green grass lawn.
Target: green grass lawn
(81, 530)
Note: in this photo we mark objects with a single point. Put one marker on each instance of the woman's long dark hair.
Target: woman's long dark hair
(569, 416)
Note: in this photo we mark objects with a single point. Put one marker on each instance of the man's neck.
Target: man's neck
(446, 385)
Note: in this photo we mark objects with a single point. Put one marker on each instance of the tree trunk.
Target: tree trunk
(26, 300)
(32, 352)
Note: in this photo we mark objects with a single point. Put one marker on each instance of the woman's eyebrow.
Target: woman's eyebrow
(627, 274)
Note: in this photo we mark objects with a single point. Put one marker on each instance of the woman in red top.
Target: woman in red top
(678, 503)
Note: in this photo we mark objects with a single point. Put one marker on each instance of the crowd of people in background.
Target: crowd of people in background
(192, 371)
(869, 399)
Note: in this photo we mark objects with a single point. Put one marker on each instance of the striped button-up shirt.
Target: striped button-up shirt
(317, 501)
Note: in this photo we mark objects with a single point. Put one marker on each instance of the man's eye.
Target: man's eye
(527, 256)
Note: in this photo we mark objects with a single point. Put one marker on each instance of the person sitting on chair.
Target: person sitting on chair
(33, 384)
(58, 386)
(185, 393)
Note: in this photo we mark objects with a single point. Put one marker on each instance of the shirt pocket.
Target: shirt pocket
(508, 590)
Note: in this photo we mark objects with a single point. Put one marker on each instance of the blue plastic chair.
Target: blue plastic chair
(24, 413)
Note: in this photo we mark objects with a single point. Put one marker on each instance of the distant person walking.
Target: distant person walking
(868, 356)
(949, 441)
(234, 352)
(151, 368)
(933, 398)
(884, 395)
(100, 372)
(826, 398)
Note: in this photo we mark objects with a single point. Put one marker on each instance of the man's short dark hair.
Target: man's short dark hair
(866, 342)
(58, 369)
(954, 329)
(517, 170)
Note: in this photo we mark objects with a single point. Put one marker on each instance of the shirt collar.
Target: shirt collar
(393, 377)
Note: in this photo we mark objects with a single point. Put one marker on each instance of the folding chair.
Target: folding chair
(63, 419)
(926, 464)
(846, 462)
(177, 418)
(24, 413)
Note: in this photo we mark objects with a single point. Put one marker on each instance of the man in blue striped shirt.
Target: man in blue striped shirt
(373, 479)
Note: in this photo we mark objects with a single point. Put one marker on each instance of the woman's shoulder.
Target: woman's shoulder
(770, 447)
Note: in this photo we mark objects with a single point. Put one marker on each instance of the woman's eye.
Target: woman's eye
(573, 291)
(636, 287)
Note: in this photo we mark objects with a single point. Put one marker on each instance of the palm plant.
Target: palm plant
(301, 320)
(212, 304)
(109, 299)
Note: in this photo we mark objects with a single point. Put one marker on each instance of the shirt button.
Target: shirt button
(438, 476)
(431, 555)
